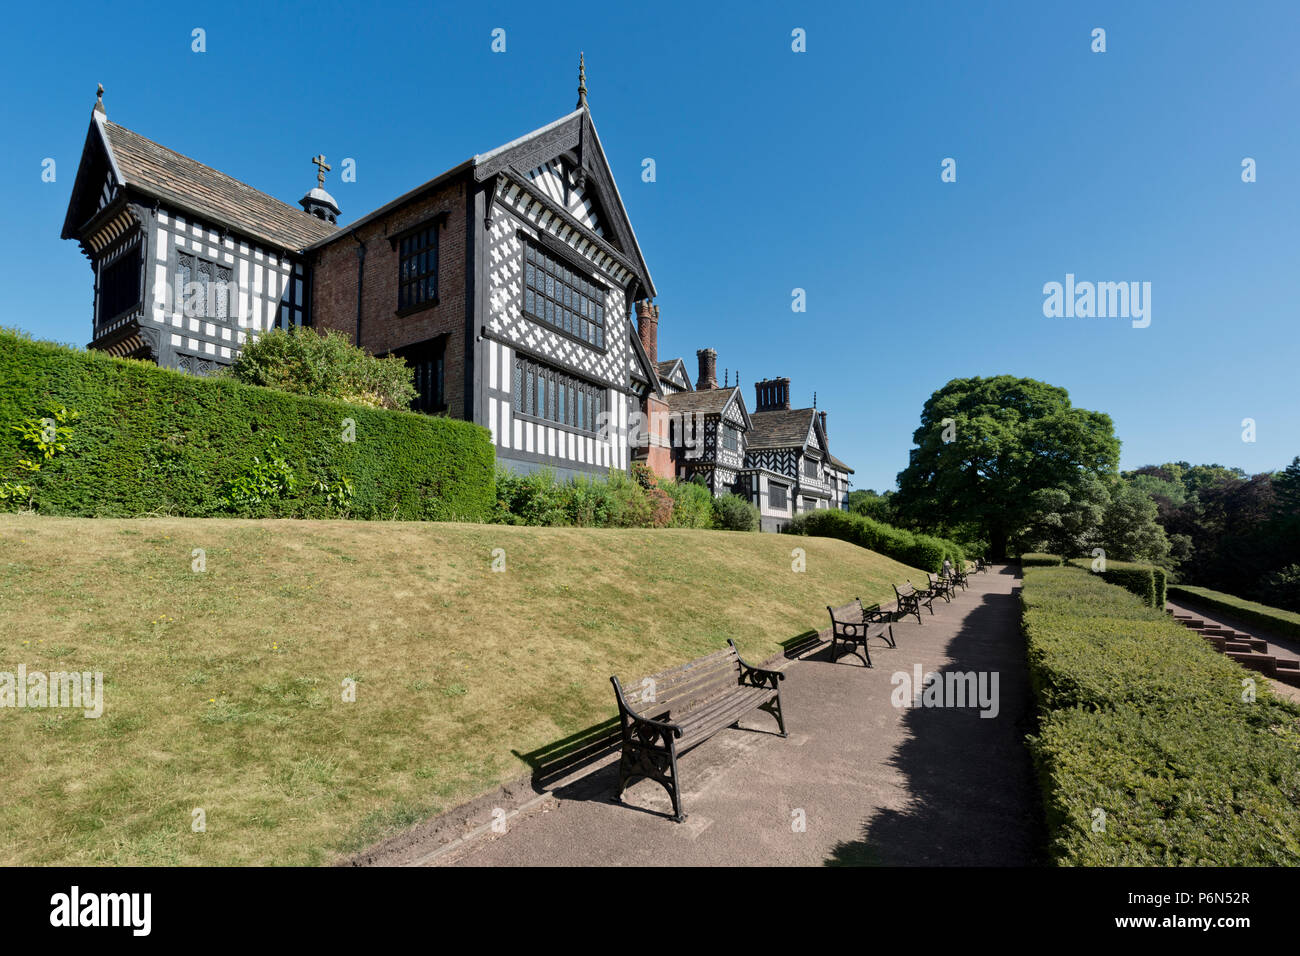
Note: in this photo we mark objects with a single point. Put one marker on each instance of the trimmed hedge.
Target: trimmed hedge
(1140, 719)
(1283, 622)
(152, 441)
(1147, 581)
(1036, 560)
(916, 550)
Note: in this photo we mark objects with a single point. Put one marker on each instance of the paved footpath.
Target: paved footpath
(875, 784)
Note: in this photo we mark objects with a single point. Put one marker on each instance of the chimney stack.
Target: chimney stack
(647, 326)
(772, 395)
(708, 369)
(822, 416)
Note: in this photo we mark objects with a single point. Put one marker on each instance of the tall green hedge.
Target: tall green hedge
(1274, 618)
(917, 550)
(152, 441)
(1147, 581)
(1151, 748)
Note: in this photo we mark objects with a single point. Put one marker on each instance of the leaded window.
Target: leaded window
(417, 272)
(541, 391)
(565, 299)
(776, 495)
(428, 374)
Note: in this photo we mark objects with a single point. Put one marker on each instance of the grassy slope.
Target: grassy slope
(223, 689)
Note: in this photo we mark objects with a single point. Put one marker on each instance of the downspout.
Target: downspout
(361, 275)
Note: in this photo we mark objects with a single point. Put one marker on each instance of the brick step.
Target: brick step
(1264, 663)
(1245, 642)
(1288, 672)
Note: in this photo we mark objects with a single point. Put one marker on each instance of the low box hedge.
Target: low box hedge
(1147, 581)
(1275, 618)
(1035, 559)
(1148, 750)
(151, 441)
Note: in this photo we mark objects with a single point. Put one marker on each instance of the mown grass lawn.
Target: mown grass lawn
(224, 688)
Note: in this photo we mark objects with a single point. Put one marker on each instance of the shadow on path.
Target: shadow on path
(973, 799)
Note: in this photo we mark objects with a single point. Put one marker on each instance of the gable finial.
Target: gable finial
(814, 399)
(582, 83)
(99, 101)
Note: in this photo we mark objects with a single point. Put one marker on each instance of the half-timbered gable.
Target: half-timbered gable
(188, 261)
(790, 448)
(708, 430)
(566, 374)
(673, 377)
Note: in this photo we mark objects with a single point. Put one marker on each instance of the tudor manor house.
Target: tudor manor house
(508, 283)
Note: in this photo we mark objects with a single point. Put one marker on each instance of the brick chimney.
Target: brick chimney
(647, 326)
(772, 394)
(708, 369)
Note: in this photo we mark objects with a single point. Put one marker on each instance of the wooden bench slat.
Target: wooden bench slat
(705, 684)
(667, 682)
(722, 714)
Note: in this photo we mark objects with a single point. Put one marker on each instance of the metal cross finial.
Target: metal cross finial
(322, 168)
(99, 100)
(582, 82)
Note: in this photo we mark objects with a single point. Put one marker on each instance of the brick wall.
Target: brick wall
(334, 289)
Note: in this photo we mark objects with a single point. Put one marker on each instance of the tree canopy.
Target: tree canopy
(985, 446)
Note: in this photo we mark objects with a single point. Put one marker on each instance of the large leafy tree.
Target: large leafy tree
(985, 445)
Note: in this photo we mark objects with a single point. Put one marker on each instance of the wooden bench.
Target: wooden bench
(910, 601)
(957, 576)
(981, 566)
(853, 625)
(940, 587)
(673, 711)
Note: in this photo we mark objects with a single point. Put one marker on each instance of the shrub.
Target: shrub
(1140, 718)
(153, 441)
(916, 550)
(627, 503)
(1034, 560)
(734, 513)
(536, 499)
(303, 362)
(585, 501)
(692, 504)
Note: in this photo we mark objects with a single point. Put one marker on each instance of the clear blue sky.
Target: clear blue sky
(777, 170)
